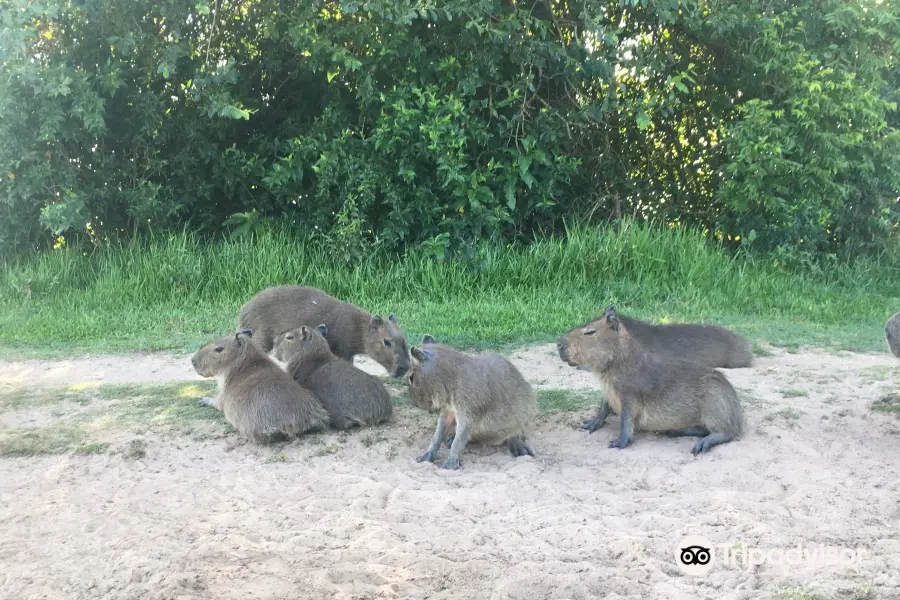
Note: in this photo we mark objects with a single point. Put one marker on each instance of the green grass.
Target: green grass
(567, 400)
(800, 593)
(786, 414)
(90, 415)
(175, 292)
(794, 393)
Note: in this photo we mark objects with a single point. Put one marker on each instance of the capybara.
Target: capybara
(257, 397)
(352, 397)
(485, 394)
(351, 330)
(709, 345)
(892, 334)
(651, 392)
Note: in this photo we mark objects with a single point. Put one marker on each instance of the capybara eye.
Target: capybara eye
(288, 337)
(388, 343)
(219, 348)
(590, 332)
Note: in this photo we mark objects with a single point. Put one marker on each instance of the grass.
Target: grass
(175, 292)
(560, 400)
(787, 414)
(799, 593)
(794, 393)
(89, 416)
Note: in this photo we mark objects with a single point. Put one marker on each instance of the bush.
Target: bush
(390, 123)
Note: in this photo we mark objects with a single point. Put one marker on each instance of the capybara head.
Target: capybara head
(306, 340)
(593, 344)
(426, 379)
(385, 343)
(216, 357)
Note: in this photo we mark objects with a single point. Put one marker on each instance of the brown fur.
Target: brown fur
(484, 396)
(651, 392)
(352, 397)
(351, 330)
(892, 334)
(257, 397)
(709, 345)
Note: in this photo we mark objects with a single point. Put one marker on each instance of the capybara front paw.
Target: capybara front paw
(427, 457)
(451, 464)
(592, 425)
(620, 443)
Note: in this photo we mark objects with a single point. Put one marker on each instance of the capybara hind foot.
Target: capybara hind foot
(686, 432)
(713, 439)
(517, 447)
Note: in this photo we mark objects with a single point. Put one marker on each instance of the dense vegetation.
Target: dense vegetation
(173, 292)
(397, 124)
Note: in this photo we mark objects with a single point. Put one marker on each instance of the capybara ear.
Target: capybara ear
(609, 310)
(323, 330)
(417, 353)
(612, 319)
(377, 321)
(427, 339)
(392, 318)
(304, 333)
(247, 332)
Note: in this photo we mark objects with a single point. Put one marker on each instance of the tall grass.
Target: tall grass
(173, 292)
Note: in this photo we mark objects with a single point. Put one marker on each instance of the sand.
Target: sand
(221, 519)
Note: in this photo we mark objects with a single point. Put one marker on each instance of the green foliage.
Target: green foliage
(811, 165)
(390, 124)
(176, 291)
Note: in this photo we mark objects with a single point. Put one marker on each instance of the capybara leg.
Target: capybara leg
(626, 430)
(518, 447)
(439, 433)
(713, 439)
(212, 401)
(686, 432)
(458, 446)
(451, 429)
(597, 422)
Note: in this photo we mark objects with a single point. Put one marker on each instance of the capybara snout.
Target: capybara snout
(562, 346)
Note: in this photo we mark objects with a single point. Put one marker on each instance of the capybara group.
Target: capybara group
(486, 395)
(257, 397)
(708, 345)
(353, 398)
(649, 391)
(351, 330)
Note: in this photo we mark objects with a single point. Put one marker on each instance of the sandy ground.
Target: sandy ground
(220, 519)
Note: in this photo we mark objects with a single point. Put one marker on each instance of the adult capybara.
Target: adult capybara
(709, 345)
(651, 392)
(351, 330)
(353, 398)
(486, 395)
(892, 334)
(257, 397)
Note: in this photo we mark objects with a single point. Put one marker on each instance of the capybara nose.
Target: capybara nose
(400, 371)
